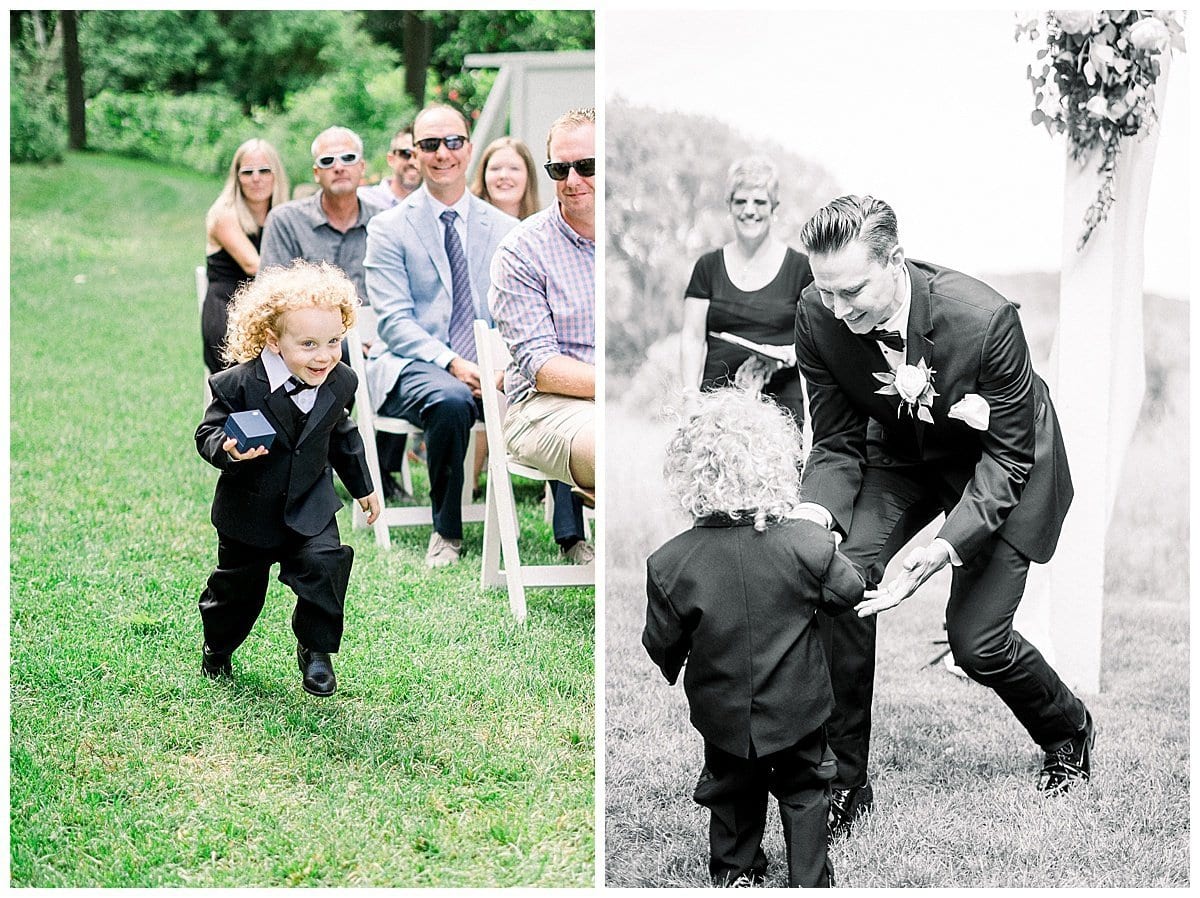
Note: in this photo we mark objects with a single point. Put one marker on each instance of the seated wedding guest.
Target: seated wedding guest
(406, 174)
(748, 288)
(233, 229)
(278, 505)
(427, 273)
(543, 301)
(507, 177)
(734, 597)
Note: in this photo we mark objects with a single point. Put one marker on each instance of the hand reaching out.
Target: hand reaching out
(920, 564)
(876, 600)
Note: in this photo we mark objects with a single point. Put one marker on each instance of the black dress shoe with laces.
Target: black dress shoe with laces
(1070, 763)
(213, 664)
(846, 806)
(317, 668)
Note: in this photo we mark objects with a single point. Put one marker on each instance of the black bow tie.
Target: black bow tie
(295, 385)
(890, 339)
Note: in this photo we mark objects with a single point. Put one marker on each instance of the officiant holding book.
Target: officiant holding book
(740, 306)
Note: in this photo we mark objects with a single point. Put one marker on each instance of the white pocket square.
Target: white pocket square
(973, 410)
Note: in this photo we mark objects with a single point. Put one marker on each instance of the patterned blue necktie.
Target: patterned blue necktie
(462, 315)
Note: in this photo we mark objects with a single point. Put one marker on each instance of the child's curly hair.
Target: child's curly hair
(258, 304)
(737, 453)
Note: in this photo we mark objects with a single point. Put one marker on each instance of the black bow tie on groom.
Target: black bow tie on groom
(890, 339)
(295, 385)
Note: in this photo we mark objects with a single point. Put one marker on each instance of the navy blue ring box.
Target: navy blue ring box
(251, 429)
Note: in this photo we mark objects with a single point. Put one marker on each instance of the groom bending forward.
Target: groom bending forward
(923, 401)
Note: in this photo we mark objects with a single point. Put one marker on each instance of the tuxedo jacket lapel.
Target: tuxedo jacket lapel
(321, 408)
(919, 342)
(479, 260)
(429, 230)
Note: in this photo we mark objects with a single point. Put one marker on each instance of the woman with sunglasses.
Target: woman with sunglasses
(507, 177)
(233, 228)
(746, 291)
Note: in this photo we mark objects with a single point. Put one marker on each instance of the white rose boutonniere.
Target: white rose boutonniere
(973, 410)
(914, 385)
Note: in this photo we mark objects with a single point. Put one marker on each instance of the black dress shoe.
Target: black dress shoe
(317, 668)
(213, 664)
(1069, 763)
(846, 806)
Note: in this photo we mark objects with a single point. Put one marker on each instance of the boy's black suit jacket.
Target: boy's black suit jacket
(290, 488)
(739, 606)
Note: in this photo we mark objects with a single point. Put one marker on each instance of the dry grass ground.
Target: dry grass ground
(954, 772)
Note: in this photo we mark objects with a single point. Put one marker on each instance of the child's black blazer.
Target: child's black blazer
(739, 606)
(291, 487)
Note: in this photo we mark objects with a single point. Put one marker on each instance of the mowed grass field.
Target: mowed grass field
(459, 749)
(953, 771)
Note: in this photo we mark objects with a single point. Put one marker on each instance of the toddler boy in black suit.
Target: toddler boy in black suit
(278, 504)
(736, 596)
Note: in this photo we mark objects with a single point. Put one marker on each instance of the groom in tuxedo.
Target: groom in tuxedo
(923, 401)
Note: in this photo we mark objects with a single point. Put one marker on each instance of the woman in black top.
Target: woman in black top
(748, 288)
(233, 229)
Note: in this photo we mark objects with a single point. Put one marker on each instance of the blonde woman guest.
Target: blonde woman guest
(734, 597)
(507, 177)
(748, 288)
(233, 229)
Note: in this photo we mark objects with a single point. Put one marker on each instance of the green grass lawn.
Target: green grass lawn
(459, 748)
(953, 771)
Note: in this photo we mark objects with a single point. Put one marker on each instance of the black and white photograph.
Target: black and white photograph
(896, 326)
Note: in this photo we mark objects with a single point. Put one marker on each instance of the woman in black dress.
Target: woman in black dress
(748, 288)
(233, 228)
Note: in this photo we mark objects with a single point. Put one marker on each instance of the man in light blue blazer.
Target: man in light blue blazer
(427, 273)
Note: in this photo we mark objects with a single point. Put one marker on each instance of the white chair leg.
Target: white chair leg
(506, 512)
(490, 573)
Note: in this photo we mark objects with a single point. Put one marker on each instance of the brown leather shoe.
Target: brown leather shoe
(1069, 763)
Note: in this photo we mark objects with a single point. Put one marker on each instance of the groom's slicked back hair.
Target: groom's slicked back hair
(852, 218)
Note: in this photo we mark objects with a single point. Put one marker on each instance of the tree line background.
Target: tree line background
(188, 86)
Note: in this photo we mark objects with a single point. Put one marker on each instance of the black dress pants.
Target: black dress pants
(893, 505)
(735, 790)
(316, 568)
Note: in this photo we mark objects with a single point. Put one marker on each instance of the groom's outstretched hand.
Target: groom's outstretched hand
(919, 565)
(876, 600)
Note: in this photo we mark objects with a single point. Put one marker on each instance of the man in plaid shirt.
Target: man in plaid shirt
(543, 300)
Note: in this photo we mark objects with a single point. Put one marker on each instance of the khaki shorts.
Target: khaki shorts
(539, 429)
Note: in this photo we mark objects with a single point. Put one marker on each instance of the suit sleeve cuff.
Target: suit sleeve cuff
(954, 559)
(818, 514)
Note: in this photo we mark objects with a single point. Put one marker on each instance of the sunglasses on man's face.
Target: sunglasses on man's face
(251, 172)
(558, 171)
(430, 144)
(403, 152)
(344, 158)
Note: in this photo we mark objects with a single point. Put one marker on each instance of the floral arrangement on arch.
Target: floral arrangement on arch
(1096, 83)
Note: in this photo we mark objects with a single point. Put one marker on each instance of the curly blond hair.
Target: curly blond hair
(257, 306)
(735, 453)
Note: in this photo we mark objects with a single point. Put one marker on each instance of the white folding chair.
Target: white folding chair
(368, 423)
(500, 527)
(201, 292)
